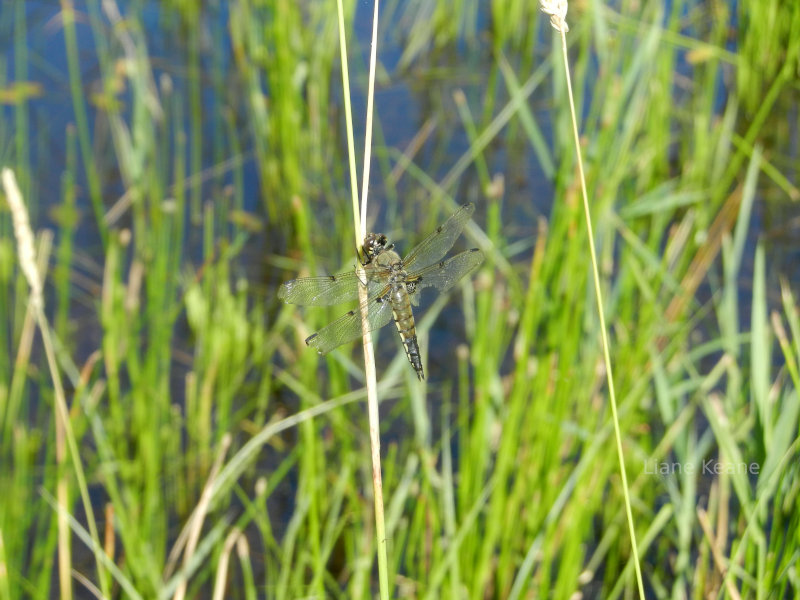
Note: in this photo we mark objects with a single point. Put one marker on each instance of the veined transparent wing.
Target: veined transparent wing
(326, 291)
(446, 274)
(348, 327)
(438, 243)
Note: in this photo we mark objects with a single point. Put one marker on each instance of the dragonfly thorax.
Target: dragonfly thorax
(389, 262)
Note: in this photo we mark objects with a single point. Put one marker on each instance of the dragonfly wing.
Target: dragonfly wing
(320, 291)
(327, 291)
(446, 274)
(438, 243)
(348, 327)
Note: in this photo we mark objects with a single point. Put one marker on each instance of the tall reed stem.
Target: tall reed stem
(557, 9)
(360, 233)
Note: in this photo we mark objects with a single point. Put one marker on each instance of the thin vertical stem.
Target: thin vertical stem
(81, 117)
(603, 329)
(360, 234)
(557, 9)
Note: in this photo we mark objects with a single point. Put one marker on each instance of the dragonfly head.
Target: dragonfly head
(374, 244)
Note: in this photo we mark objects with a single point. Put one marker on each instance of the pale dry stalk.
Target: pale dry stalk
(27, 261)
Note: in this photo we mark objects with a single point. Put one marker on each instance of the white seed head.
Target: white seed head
(24, 235)
(557, 9)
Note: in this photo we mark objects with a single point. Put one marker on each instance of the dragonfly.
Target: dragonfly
(393, 286)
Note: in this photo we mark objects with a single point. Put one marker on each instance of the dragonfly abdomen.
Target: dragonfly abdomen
(404, 320)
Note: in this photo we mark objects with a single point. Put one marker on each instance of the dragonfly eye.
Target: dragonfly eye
(374, 244)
